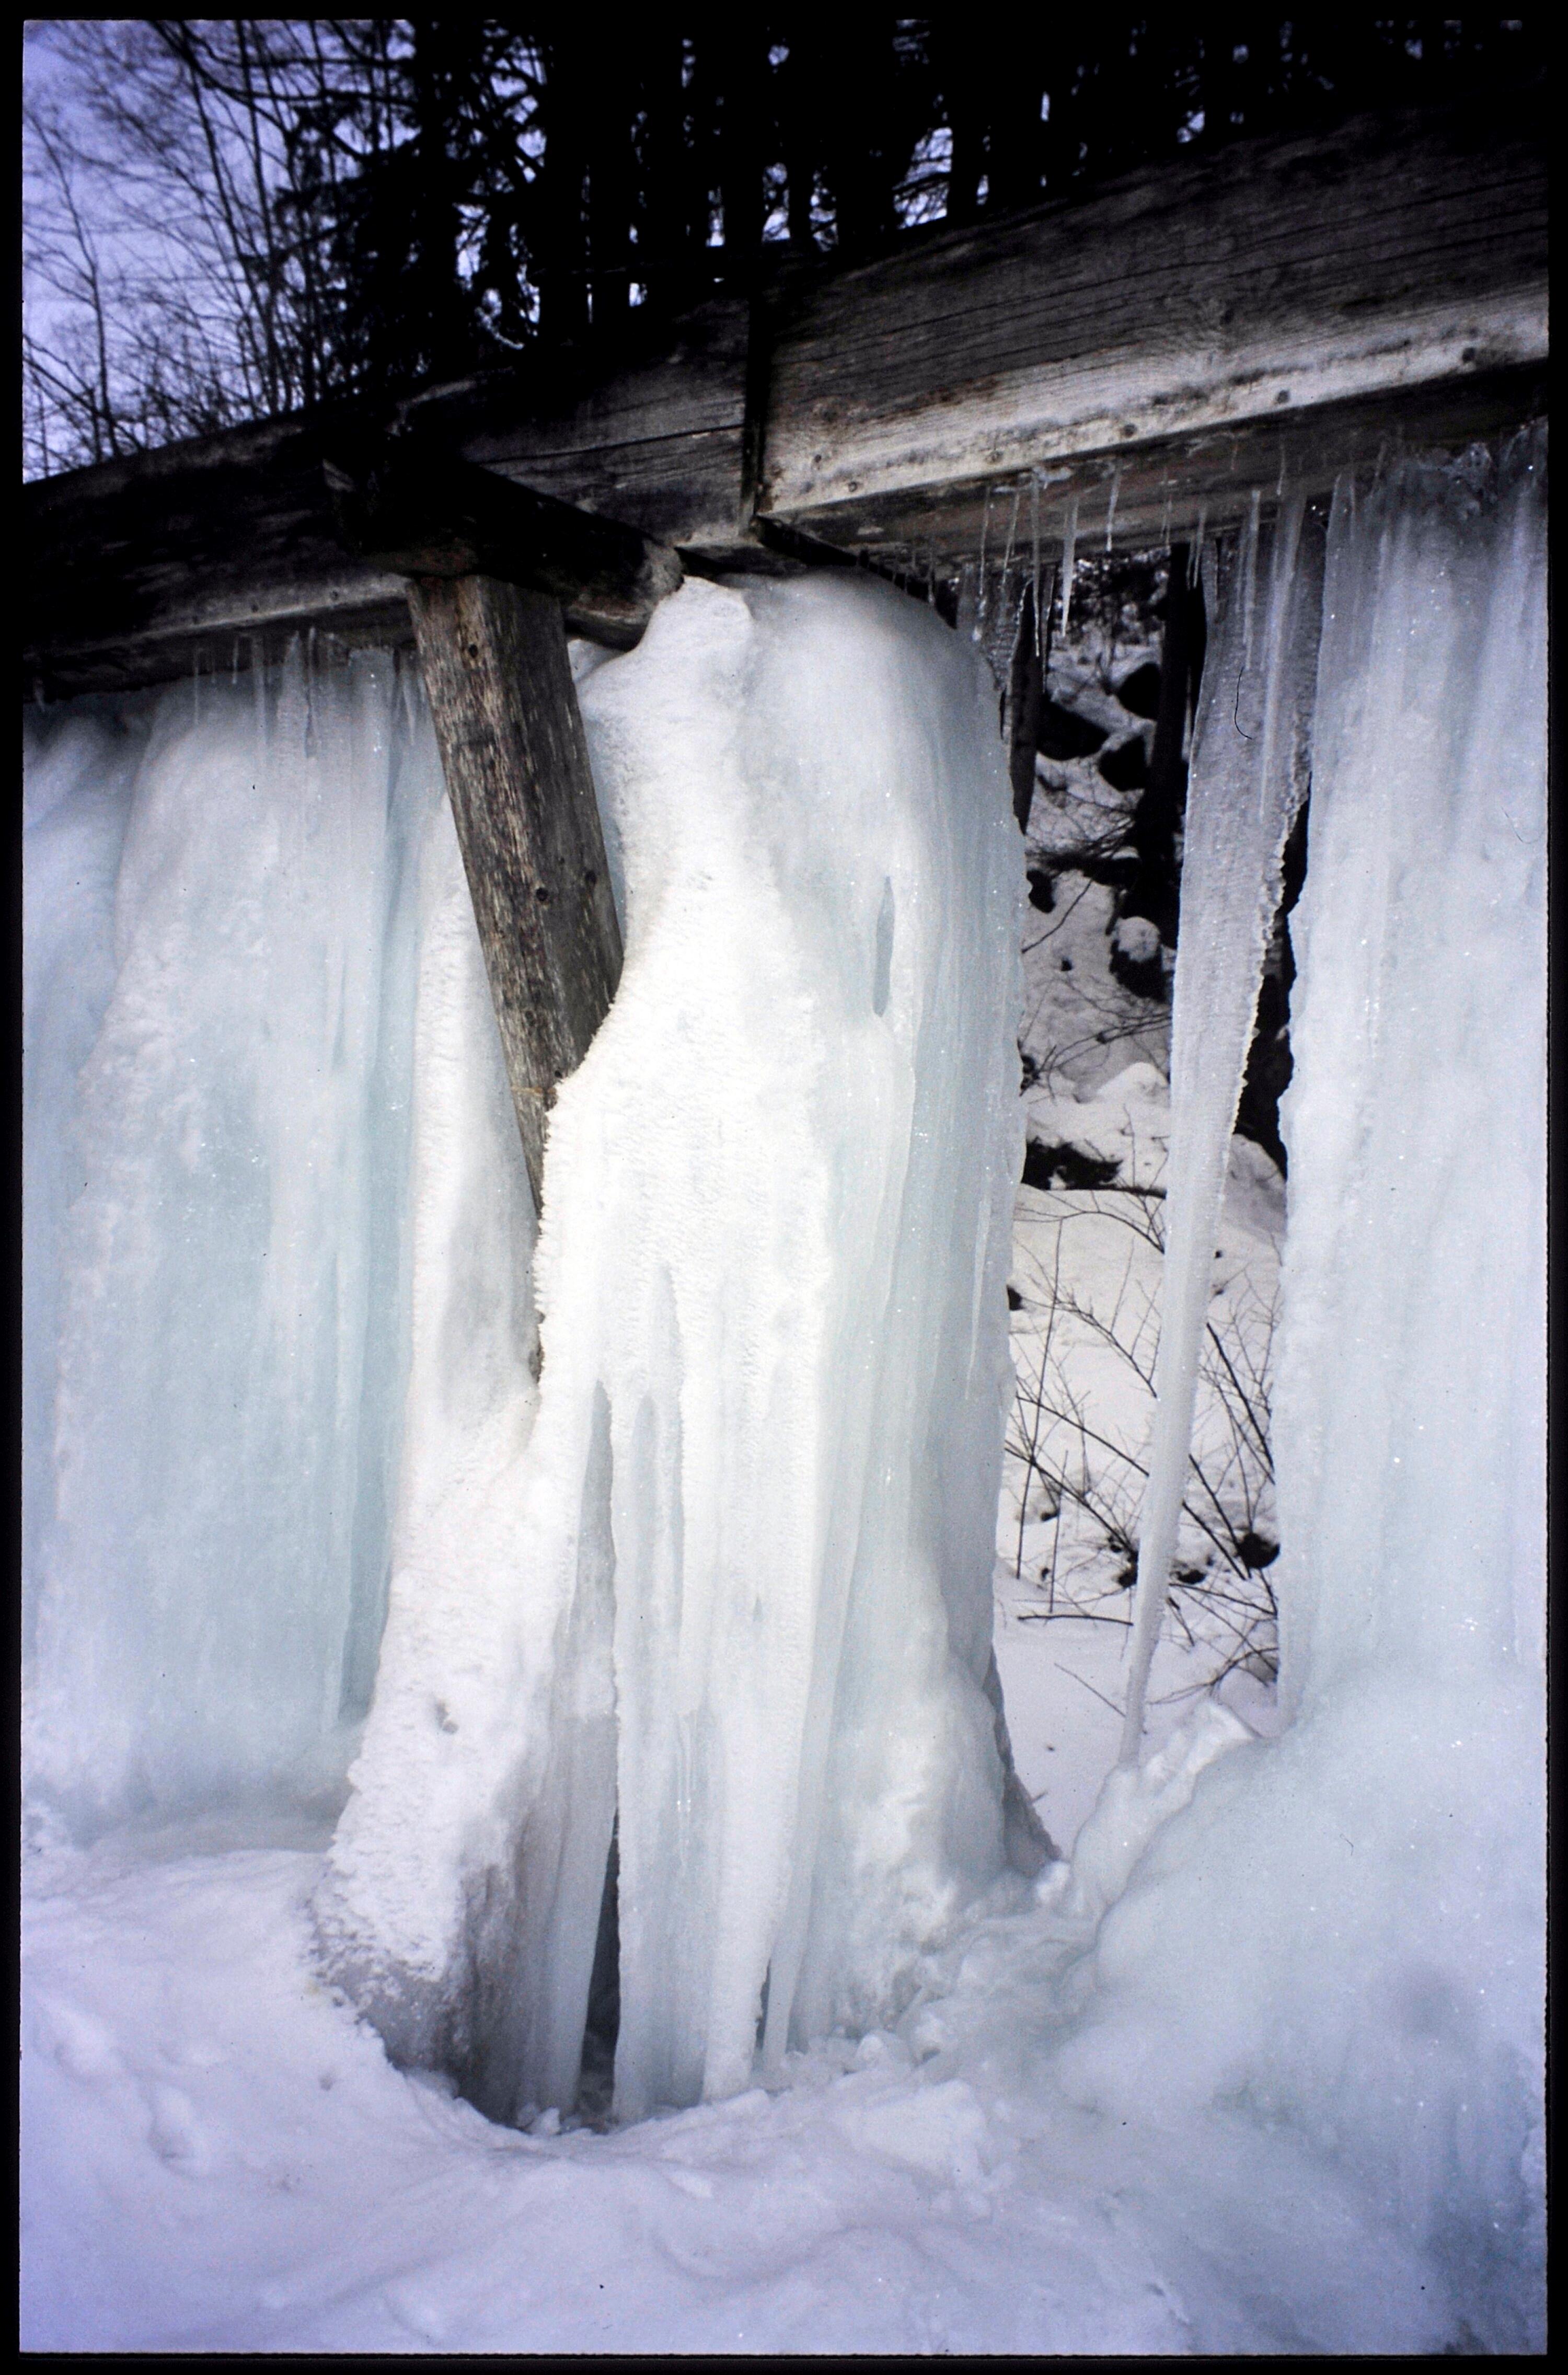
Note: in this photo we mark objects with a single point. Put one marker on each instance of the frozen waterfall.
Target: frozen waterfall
(673, 1523)
(220, 946)
(1345, 1930)
(736, 1582)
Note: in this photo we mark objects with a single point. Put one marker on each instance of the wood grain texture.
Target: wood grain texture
(1184, 303)
(143, 568)
(403, 504)
(656, 441)
(511, 739)
(1150, 492)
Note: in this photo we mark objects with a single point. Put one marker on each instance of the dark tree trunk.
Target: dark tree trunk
(1017, 148)
(964, 89)
(741, 66)
(562, 262)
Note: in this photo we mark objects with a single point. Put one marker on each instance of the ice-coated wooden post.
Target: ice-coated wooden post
(511, 739)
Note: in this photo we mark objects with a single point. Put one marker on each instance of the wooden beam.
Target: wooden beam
(511, 739)
(1151, 350)
(1186, 328)
(657, 439)
(406, 505)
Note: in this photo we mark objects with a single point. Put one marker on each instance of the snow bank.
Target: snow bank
(738, 1584)
(217, 2156)
(1345, 1929)
(220, 971)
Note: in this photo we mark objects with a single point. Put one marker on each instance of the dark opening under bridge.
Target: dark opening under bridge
(1144, 358)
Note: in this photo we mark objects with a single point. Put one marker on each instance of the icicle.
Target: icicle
(968, 620)
(981, 603)
(1008, 552)
(1244, 792)
(1069, 539)
(1249, 586)
(1111, 504)
(1034, 539)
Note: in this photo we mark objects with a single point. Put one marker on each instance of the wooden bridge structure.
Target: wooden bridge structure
(1140, 359)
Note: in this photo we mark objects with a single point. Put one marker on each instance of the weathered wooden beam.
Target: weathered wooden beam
(1178, 335)
(144, 568)
(406, 505)
(1151, 350)
(221, 549)
(511, 739)
(657, 439)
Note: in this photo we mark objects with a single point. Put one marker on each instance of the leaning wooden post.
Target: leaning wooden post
(511, 739)
(496, 573)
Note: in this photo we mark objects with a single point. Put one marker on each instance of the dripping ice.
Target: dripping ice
(741, 1586)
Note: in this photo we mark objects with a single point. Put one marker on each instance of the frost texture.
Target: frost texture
(1345, 1930)
(220, 973)
(739, 1582)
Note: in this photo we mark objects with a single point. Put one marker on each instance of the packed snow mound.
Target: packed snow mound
(220, 937)
(738, 1583)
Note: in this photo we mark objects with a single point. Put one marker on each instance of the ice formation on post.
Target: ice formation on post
(1345, 1930)
(737, 1584)
(220, 965)
(1248, 775)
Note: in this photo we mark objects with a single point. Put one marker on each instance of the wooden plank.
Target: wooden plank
(143, 568)
(1152, 351)
(406, 505)
(656, 441)
(207, 554)
(511, 739)
(1192, 302)
(1149, 494)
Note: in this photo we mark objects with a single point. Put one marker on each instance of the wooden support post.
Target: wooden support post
(403, 504)
(511, 739)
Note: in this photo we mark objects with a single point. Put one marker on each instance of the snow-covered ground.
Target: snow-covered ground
(218, 2157)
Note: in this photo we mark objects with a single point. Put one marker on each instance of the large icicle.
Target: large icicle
(221, 950)
(1344, 1934)
(739, 1585)
(1247, 778)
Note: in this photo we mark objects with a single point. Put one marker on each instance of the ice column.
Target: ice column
(737, 1585)
(1248, 775)
(1344, 1932)
(220, 973)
